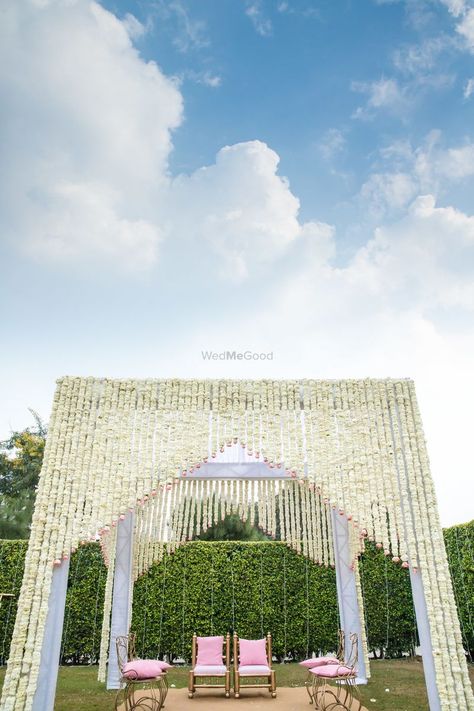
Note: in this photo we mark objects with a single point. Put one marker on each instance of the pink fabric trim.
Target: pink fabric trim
(253, 651)
(209, 650)
(254, 670)
(142, 669)
(318, 662)
(330, 671)
(209, 669)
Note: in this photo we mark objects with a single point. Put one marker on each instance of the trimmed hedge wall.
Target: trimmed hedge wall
(215, 587)
(459, 541)
(192, 591)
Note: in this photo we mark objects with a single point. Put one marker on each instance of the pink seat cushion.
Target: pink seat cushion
(329, 671)
(253, 651)
(254, 670)
(209, 650)
(164, 665)
(318, 662)
(209, 669)
(142, 669)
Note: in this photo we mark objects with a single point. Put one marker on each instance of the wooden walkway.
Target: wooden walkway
(287, 700)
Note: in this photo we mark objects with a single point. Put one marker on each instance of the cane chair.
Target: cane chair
(138, 692)
(207, 675)
(332, 686)
(246, 675)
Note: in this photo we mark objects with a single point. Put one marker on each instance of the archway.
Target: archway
(350, 456)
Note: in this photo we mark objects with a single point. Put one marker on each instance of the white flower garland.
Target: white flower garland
(355, 447)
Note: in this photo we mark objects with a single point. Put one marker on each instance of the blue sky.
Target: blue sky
(294, 176)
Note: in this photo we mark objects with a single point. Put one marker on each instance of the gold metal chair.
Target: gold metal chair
(137, 694)
(342, 694)
(241, 674)
(214, 673)
(341, 641)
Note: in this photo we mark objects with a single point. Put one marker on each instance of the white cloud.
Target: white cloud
(83, 221)
(468, 88)
(262, 24)
(134, 27)
(402, 307)
(421, 259)
(387, 192)
(212, 80)
(417, 58)
(455, 7)
(206, 78)
(410, 171)
(240, 208)
(87, 133)
(332, 143)
(384, 94)
(188, 32)
(434, 165)
(463, 11)
(466, 29)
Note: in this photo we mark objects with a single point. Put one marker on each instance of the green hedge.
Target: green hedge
(12, 556)
(251, 587)
(459, 541)
(192, 591)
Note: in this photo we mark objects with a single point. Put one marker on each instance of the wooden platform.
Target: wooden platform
(255, 699)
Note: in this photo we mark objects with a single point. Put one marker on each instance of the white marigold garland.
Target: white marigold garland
(111, 445)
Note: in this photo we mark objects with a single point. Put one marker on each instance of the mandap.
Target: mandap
(144, 463)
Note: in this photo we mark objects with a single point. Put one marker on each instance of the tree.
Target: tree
(232, 528)
(21, 457)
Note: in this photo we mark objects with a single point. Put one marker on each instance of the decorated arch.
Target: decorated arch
(323, 465)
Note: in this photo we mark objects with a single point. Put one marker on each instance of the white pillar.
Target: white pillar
(43, 699)
(424, 634)
(121, 607)
(349, 612)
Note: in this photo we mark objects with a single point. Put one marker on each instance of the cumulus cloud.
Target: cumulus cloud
(420, 259)
(87, 131)
(401, 307)
(239, 207)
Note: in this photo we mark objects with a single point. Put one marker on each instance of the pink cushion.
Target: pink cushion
(142, 669)
(209, 650)
(318, 662)
(164, 665)
(254, 670)
(209, 669)
(329, 671)
(253, 651)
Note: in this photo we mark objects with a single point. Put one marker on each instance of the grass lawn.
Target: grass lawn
(79, 689)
